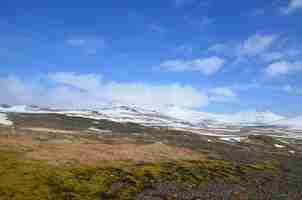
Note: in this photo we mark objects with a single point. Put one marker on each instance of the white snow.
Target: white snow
(241, 118)
(4, 120)
(279, 146)
(188, 115)
(250, 118)
(183, 119)
(232, 139)
(169, 116)
(294, 123)
(22, 109)
(93, 129)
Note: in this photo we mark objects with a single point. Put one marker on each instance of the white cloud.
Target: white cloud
(272, 56)
(246, 86)
(222, 94)
(14, 91)
(293, 6)
(292, 90)
(207, 66)
(285, 53)
(71, 90)
(155, 96)
(283, 68)
(224, 91)
(85, 82)
(256, 44)
(67, 97)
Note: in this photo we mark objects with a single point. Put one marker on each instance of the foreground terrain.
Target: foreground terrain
(55, 156)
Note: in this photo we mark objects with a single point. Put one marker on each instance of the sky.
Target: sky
(208, 55)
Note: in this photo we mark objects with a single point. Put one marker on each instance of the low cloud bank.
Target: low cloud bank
(72, 90)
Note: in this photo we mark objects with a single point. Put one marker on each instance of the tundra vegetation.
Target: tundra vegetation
(54, 157)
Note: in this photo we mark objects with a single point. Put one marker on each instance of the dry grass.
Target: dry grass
(87, 151)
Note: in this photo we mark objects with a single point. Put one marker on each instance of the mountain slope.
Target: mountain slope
(251, 118)
(241, 118)
(294, 123)
(175, 117)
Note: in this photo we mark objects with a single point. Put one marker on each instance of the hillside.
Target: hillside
(130, 153)
(50, 155)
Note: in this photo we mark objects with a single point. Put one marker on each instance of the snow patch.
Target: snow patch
(4, 120)
(93, 129)
(232, 139)
(279, 146)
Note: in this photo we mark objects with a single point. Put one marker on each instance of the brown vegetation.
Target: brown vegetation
(88, 151)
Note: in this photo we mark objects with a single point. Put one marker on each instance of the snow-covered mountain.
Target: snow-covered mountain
(251, 118)
(241, 118)
(294, 123)
(21, 109)
(168, 117)
(122, 113)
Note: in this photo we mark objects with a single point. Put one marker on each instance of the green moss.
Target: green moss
(22, 179)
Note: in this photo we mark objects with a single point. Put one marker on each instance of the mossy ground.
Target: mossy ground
(23, 179)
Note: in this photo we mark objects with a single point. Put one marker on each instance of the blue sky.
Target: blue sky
(213, 56)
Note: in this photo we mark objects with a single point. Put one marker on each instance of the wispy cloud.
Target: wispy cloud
(222, 94)
(270, 50)
(89, 45)
(283, 68)
(281, 54)
(207, 66)
(14, 91)
(86, 81)
(256, 44)
(290, 89)
(293, 6)
(246, 86)
(272, 56)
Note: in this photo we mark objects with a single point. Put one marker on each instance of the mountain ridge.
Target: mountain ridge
(167, 115)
